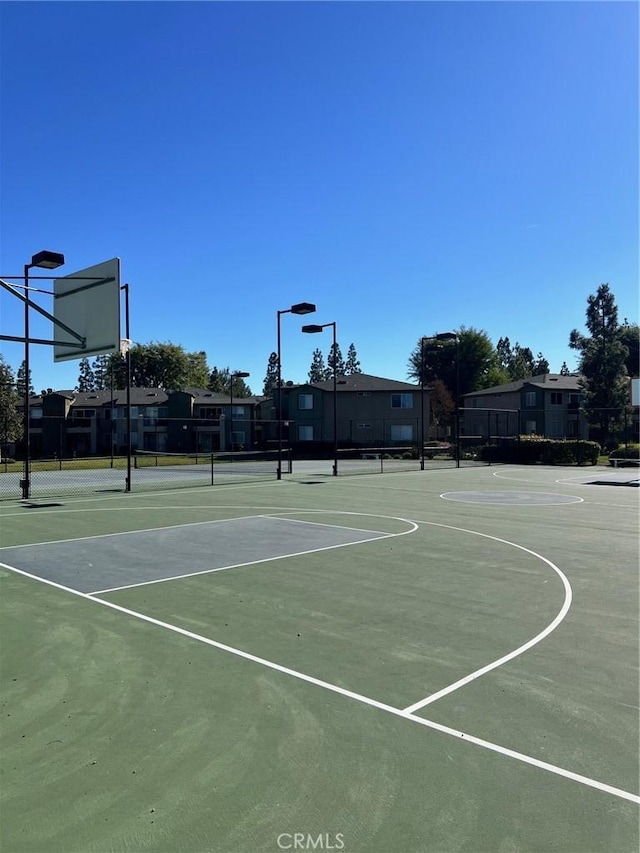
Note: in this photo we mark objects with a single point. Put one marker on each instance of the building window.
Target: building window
(238, 411)
(475, 403)
(530, 428)
(401, 432)
(210, 413)
(363, 426)
(363, 393)
(305, 433)
(80, 413)
(572, 429)
(402, 401)
(555, 428)
(574, 399)
(530, 398)
(305, 402)
(556, 398)
(238, 438)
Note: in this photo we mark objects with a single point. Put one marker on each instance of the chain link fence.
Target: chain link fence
(83, 453)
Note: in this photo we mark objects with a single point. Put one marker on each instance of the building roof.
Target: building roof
(362, 382)
(549, 381)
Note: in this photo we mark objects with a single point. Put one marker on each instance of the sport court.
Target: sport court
(422, 661)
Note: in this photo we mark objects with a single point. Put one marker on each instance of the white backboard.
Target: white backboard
(88, 301)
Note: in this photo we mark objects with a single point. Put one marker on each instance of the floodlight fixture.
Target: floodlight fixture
(303, 308)
(47, 260)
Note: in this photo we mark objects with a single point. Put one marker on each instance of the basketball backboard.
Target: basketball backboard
(88, 301)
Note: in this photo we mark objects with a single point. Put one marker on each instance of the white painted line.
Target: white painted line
(129, 532)
(568, 595)
(562, 481)
(249, 563)
(484, 744)
(575, 500)
(276, 517)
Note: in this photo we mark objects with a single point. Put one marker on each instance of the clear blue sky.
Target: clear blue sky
(409, 167)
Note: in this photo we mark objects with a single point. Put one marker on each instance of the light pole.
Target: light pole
(48, 261)
(453, 336)
(298, 308)
(433, 347)
(313, 330)
(237, 374)
(422, 340)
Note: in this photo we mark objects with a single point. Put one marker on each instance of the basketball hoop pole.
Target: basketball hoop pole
(27, 421)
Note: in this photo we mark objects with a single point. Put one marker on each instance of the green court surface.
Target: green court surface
(422, 661)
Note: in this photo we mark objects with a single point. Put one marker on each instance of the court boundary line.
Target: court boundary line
(334, 688)
(126, 532)
(568, 598)
(576, 500)
(449, 688)
(376, 537)
(274, 513)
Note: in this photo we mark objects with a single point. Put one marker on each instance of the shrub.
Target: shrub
(631, 452)
(532, 450)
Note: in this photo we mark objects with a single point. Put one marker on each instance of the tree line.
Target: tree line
(608, 355)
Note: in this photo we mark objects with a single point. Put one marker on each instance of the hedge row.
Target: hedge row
(545, 450)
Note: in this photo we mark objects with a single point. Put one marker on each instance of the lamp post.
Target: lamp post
(422, 340)
(48, 261)
(432, 347)
(237, 374)
(312, 330)
(453, 336)
(298, 308)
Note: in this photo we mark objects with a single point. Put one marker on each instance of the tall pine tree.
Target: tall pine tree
(318, 372)
(335, 360)
(86, 377)
(603, 364)
(352, 364)
(21, 381)
(11, 420)
(101, 372)
(271, 379)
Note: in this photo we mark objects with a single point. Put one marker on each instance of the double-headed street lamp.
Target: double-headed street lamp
(298, 308)
(48, 261)
(453, 336)
(312, 330)
(237, 374)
